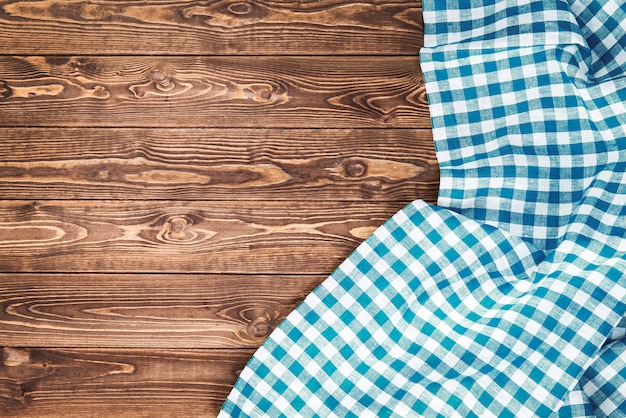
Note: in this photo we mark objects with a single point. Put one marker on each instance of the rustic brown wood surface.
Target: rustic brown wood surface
(291, 92)
(126, 310)
(192, 27)
(50, 382)
(218, 164)
(186, 237)
(176, 176)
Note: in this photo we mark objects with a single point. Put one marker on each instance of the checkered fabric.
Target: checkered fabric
(605, 381)
(509, 297)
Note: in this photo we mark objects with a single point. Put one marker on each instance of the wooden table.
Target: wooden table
(175, 176)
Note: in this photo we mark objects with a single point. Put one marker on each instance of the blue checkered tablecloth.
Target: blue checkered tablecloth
(509, 297)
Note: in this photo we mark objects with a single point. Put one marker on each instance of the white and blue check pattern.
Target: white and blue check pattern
(521, 128)
(509, 298)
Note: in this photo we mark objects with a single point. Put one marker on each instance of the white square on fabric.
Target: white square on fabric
(504, 397)
(263, 387)
(399, 251)
(295, 351)
(540, 394)
(248, 406)
(555, 373)
(364, 384)
(348, 402)
(381, 266)
(471, 403)
(314, 402)
(436, 404)
(609, 406)
(480, 80)
(364, 318)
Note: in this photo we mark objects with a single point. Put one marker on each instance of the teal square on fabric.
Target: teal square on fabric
(312, 351)
(364, 266)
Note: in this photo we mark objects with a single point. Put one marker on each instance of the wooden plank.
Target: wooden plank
(186, 237)
(269, 92)
(218, 164)
(50, 382)
(194, 27)
(146, 310)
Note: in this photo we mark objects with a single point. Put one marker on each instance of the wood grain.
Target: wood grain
(177, 175)
(186, 237)
(218, 164)
(52, 382)
(168, 311)
(214, 27)
(254, 92)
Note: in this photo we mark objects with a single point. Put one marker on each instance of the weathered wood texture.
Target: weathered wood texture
(168, 311)
(192, 27)
(49, 382)
(176, 175)
(298, 92)
(186, 237)
(218, 164)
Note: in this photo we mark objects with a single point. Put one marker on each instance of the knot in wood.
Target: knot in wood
(355, 168)
(264, 94)
(240, 8)
(162, 80)
(259, 327)
(104, 174)
(5, 90)
(178, 225)
(77, 63)
(175, 229)
(94, 12)
(19, 395)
